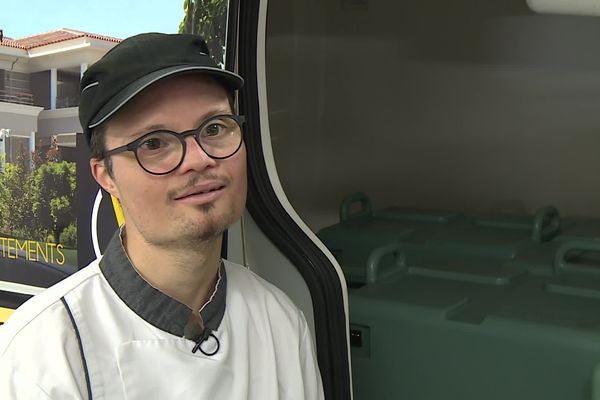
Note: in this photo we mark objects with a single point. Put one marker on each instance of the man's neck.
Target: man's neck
(187, 275)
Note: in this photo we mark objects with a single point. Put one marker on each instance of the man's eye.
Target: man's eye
(152, 144)
(213, 130)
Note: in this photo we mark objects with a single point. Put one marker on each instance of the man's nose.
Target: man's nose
(195, 158)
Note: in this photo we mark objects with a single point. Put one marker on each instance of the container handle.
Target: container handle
(546, 224)
(562, 266)
(346, 207)
(377, 255)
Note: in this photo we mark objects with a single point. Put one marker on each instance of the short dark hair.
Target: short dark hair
(98, 147)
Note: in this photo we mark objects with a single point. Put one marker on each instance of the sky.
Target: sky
(118, 18)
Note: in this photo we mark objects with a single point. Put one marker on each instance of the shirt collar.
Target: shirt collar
(149, 303)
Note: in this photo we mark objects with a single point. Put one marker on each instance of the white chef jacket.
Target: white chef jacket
(103, 333)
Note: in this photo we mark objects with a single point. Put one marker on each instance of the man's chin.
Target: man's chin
(207, 225)
(207, 230)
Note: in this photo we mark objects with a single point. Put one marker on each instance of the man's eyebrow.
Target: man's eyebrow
(153, 127)
(132, 135)
(163, 127)
(214, 113)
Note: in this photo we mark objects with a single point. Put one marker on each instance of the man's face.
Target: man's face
(203, 196)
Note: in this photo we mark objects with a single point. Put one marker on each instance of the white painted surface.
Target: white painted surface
(266, 260)
(13, 287)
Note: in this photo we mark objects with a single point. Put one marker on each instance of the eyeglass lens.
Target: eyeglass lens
(162, 151)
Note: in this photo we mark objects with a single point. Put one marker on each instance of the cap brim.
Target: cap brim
(232, 82)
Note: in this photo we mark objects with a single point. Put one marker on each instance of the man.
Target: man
(160, 315)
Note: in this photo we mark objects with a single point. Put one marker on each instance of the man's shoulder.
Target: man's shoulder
(245, 279)
(44, 312)
(257, 292)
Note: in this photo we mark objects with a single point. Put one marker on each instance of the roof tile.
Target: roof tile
(56, 36)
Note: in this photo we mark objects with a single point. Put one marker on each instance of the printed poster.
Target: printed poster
(54, 219)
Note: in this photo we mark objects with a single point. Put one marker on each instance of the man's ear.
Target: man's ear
(103, 177)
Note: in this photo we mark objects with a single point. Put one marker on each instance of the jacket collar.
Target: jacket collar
(152, 305)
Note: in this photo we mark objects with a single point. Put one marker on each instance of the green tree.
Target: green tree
(18, 217)
(54, 196)
(207, 18)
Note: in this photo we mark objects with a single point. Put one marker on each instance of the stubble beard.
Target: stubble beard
(191, 235)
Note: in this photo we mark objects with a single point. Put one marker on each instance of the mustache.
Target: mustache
(195, 181)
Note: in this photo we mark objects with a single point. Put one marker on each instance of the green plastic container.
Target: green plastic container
(447, 306)
(579, 229)
(445, 335)
(361, 231)
(539, 260)
(498, 238)
(473, 242)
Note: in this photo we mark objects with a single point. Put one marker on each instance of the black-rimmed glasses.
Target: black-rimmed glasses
(161, 152)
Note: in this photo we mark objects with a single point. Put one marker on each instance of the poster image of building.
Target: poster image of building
(39, 156)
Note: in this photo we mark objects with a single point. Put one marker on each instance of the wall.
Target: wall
(465, 106)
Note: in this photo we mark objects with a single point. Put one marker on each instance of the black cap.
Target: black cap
(137, 63)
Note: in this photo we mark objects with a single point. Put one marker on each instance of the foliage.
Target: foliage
(53, 194)
(16, 198)
(207, 18)
(68, 237)
(37, 197)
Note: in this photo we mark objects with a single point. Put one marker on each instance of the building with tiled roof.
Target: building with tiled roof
(39, 87)
(56, 36)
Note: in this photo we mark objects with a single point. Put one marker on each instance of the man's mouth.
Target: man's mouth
(200, 192)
